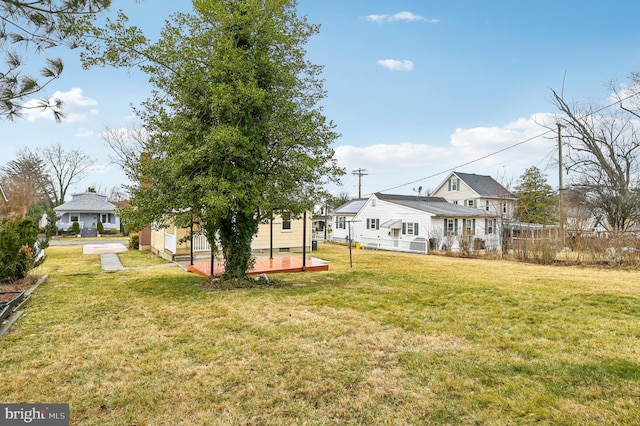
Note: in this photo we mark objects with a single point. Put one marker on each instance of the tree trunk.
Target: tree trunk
(237, 230)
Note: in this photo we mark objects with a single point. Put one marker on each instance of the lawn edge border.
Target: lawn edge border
(16, 314)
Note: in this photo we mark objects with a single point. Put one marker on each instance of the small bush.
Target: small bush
(100, 228)
(19, 248)
(134, 241)
(75, 228)
(113, 231)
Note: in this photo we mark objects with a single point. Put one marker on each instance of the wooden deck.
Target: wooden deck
(264, 265)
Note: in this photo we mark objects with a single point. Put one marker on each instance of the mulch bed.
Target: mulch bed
(8, 297)
(20, 285)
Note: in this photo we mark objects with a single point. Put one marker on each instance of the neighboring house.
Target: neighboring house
(419, 224)
(582, 220)
(342, 218)
(282, 235)
(319, 221)
(87, 209)
(480, 192)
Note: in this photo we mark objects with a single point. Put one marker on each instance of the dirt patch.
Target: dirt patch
(8, 297)
(20, 285)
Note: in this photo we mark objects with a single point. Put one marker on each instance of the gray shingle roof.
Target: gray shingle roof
(484, 186)
(87, 203)
(437, 206)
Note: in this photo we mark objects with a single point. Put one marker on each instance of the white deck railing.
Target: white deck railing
(170, 242)
(200, 243)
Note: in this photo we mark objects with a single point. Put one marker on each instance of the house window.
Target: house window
(287, 226)
(74, 218)
(409, 228)
(469, 226)
(373, 224)
(451, 227)
(504, 207)
(486, 205)
(455, 202)
(104, 218)
(340, 222)
(489, 226)
(454, 184)
(471, 203)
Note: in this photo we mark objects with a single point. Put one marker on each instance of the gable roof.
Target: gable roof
(437, 206)
(484, 186)
(87, 202)
(3, 195)
(350, 207)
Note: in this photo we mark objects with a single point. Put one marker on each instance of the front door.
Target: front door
(395, 234)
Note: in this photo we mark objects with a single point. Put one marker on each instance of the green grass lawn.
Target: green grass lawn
(397, 339)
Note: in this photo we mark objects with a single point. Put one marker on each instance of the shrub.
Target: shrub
(100, 227)
(113, 231)
(19, 248)
(134, 241)
(75, 228)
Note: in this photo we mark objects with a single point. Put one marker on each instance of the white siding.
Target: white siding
(429, 227)
(391, 238)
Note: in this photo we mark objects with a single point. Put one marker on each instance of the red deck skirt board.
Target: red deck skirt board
(264, 265)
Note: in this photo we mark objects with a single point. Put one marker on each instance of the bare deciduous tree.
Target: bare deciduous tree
(602, 148)
(29, 168)
(127, 145)
(20, 194)
(65, 168)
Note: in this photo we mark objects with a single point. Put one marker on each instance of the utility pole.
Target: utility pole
(360, 173)
(560, 186)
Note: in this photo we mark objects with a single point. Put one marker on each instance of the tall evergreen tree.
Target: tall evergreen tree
(235, 130)
(536, 200)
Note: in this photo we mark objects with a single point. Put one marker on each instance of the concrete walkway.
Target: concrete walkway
(107, 251)
(111, 262)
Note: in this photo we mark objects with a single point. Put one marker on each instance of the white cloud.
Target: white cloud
(396, 65)
(400, 16)
(626, 93)
(405, 16)
(85, 133)
(378, 19)
(99, 169)
(75, 105)
(471, 150)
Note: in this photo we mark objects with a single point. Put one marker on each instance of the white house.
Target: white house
(419, 224)
(87, 209)
(342, 216)
(478, 191)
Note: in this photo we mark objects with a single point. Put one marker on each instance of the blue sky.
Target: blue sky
(415, 87)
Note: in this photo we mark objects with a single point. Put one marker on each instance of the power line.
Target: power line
(359, 173)
(469, 162)
(619, 101)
